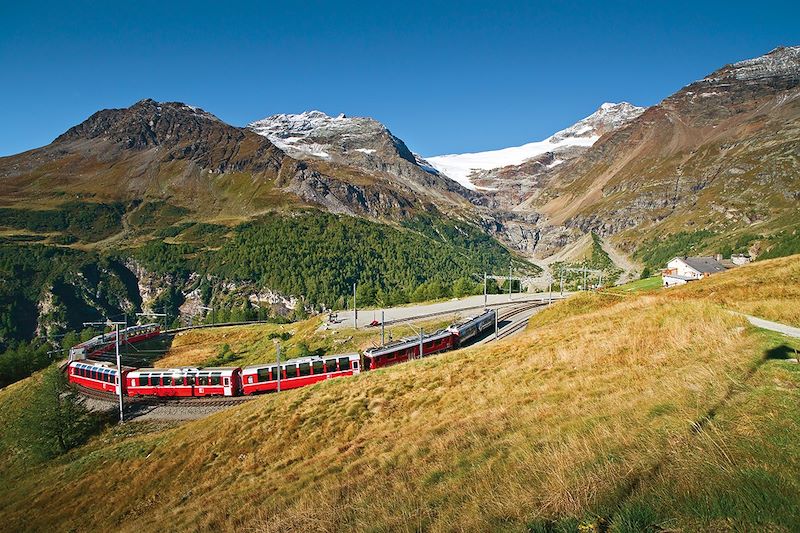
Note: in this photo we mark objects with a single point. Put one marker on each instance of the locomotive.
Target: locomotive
(254, 379)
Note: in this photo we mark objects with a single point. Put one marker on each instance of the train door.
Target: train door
(226, 386)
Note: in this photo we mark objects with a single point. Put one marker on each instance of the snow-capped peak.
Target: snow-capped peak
(312, 132)
(584, 133)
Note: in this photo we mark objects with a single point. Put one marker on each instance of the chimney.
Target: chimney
(718, 257)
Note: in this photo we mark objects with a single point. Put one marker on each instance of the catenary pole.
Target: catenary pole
(355, 308)
(485, 293)
(119, 374)
(278, 362)
(383, 320)
(119, 360)
(510, 273)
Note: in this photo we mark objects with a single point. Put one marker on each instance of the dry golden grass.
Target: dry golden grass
(558, 421)
(767, 289)
(590, 412)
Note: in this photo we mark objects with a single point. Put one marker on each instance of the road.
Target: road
(790, 331)
(464, 306)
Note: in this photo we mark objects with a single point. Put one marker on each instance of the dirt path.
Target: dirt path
(630, 269)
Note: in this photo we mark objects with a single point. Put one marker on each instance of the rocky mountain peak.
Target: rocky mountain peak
(147, 123)
(608, 117)
(783, 61)
(318, 135)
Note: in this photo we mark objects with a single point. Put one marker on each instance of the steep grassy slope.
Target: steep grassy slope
(602, 408)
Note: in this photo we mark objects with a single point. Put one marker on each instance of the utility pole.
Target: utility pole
(510, 274)
(496, 312)
(278, 361)
(119, 383)
(550, 289)
(420, 343)
(355, 309)
(383, 320)
(485, 293)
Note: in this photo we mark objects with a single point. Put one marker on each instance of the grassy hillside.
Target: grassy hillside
(767, 289)
(648, 411)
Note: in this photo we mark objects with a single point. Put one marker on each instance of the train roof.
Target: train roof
(309, 359)
(186, 369)
(99, 364)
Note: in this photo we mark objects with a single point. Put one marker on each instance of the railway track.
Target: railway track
(511, 329)
(214, 401)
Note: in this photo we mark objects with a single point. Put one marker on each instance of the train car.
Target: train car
(408, 348)
(97, 375)
(473, 328)
(298, 372)
(184, 382)
(105, 342)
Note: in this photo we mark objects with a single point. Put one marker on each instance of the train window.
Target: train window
(215, 379)
(190, 379)
(249, 379)
(344, 363)
(166, 381)
(155, 380)
(273, 373)
(330, 365)
(355, 365)
(178, 381)
(263, 374)
(317, 366)
(227, 381)
(291, 371)
(203, 380)
(305, 369)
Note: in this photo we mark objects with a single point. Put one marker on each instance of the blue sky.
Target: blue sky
(444, 76)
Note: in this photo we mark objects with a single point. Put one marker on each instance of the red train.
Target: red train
(184, 382)
(105, 342)
(446, 339)
(96, 375)
(298, 372)
(219, 381)
(235, 381)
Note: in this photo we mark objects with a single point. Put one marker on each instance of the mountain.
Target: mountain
(714, 165)
(360, 143)
(189, 158)
(477, 170)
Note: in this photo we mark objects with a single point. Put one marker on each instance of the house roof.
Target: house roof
(704, 265)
